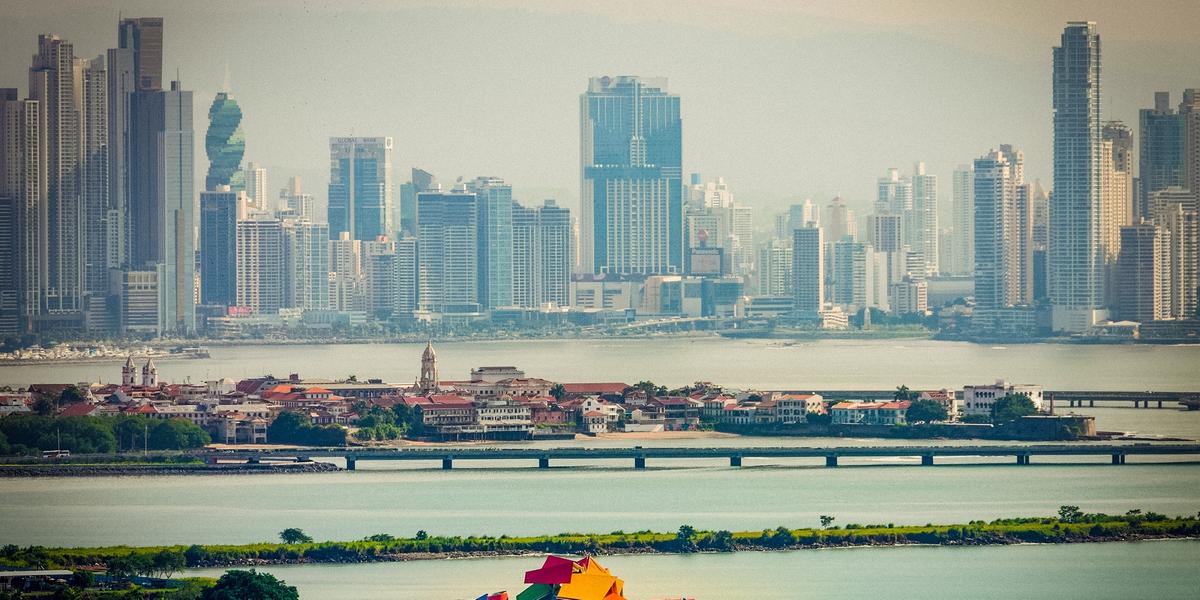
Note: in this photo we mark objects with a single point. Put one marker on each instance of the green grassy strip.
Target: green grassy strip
(1087, 528)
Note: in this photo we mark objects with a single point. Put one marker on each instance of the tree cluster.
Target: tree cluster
(28, 434)
(294, 428)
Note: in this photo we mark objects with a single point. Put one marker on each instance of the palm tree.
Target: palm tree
(903, 393)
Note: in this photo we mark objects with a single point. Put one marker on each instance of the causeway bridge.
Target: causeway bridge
(1023, 454)
(1059, 398)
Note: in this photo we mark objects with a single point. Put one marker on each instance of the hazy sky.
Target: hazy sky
(785, 99)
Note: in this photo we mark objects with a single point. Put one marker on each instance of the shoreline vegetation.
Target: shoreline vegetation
(1070, 526)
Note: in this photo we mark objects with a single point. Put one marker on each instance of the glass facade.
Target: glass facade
(225, 144)
(632, 195)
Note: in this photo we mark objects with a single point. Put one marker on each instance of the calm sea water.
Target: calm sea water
(824, 364)
(513, 498)
(1116, 571)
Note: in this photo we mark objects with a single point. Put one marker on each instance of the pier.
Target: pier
(542, 457)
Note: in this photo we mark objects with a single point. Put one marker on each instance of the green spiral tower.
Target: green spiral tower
(225, 144)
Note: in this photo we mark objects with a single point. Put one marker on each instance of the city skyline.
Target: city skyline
(1146, 53)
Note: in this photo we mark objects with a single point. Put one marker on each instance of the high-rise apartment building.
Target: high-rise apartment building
(1003, 236)
(360, 187)
(631, 197)
(1076, 266)
(494, 205)
(53, 82)
(407, 282)
(218, 247)
(924, 218)
(22, 186)
(345, 284)
(448, 252)
(1139, 274)
(1189, 109)
(1116, 186)
(895, 194)
(541, 255)
(859, 276)
(379, 277)
(305, 264)
(256, 186)
(294, 203)
(775, 268)
(808, 271)
(260, 268)
(1162, 144)
(1175, 211)
(963, 208)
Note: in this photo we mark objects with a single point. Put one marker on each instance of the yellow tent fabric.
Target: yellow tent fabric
(587, 586)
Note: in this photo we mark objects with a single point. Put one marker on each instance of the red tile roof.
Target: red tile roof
(81, 409)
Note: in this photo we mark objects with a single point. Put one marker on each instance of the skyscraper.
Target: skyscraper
(1076, 259)
(294, 203)
(132, 66)
(421, 181)
(379, 277)
(162, 201)
(775, 268)
(631, 169)
(924, 219)
(225, 144)
(448, 252)
(94, 192)
(839, 220)
(360, 187)
(22, 184)
(53, 83)
(494, 205)
(1003, 236)
(345, 285)
(144, 37)
(1116, 185)
(541, 255)
(218, 247)
(808, 271)
(260, 268)
(1175, 211)
(256, 186)
(963, 208)
(1162, 140)
(1139, 273)
(1189, 109)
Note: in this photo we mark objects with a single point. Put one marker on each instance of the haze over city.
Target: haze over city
(785, 101)
(307, 299)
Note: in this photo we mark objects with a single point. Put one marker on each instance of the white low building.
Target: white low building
(978, 399)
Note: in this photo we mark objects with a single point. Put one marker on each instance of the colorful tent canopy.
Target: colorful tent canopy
(564, 579)
(496, 596)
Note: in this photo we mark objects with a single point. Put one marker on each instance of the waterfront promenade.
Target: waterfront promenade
(1023, 454)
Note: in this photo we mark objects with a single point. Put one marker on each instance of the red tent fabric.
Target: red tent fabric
(555, 570)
